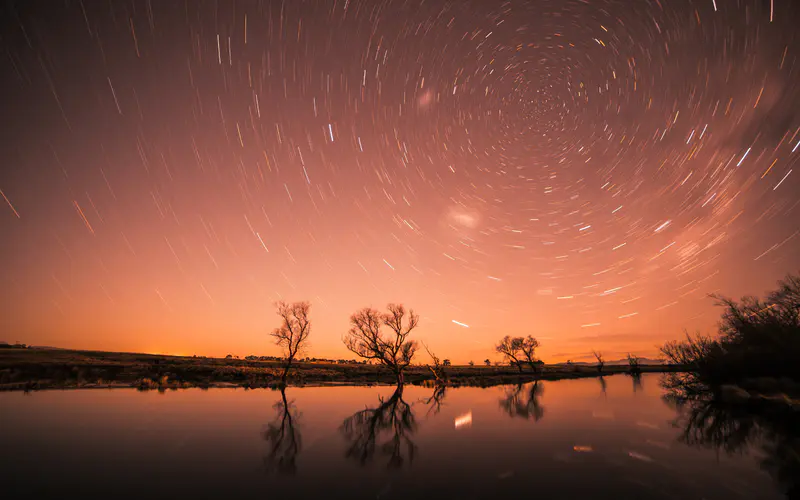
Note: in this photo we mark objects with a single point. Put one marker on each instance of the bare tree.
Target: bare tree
(292, 335)
(633, 364)
(511, 348)
(437, 368)
(529, 345)
(487, 362)
(600, 362)
(471, 363)
(394, 351)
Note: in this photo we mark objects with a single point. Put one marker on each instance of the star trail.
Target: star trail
(586, 171)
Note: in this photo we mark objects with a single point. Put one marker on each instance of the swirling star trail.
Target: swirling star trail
(583, 171)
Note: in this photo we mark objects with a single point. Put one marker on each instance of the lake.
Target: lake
(591, 438)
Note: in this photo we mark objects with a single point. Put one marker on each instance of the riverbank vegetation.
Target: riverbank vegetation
(30, 369)
(393, 351)
(758, 345)
(381, 340)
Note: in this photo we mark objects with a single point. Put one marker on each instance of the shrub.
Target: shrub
(757, 338)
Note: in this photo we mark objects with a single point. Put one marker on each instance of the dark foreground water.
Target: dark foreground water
(587, 438)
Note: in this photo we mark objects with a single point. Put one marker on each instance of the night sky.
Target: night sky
(585, 171)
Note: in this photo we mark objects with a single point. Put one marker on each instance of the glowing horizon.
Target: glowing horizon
(583, 174)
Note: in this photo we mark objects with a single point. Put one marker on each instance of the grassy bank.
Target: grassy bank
(34, 369)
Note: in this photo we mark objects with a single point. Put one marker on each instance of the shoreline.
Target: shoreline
(43, 369)
(46, 385)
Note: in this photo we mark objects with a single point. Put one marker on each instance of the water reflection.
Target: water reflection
(522, 400)
(435, 401)
(637, 381)
(391, 424)
(283, 438)
(215, 443)
(771, 427)
(603, 385)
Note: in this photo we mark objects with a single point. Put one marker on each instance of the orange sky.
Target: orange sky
(171, 173)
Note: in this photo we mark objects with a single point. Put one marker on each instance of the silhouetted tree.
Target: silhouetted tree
(365, 428)
(471, 363)
(437, 368)
(446, 362)
(757, 338)
(293, 333)
(633, 364)
(600, 362)
(366, 339)
(518, 404)
(529, 345)
(283, 438)
(695, 353)
(511, 349)
(487, 362)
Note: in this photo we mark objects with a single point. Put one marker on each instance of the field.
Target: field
(34, 369)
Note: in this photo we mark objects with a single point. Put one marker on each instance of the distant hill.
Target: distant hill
(6, 345)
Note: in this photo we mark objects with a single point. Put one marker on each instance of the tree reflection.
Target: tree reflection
(769, 425)
(680, 387)
(522, 401)
(637, 381)
(603, 384)
(365, 431)
(283, 437)
(435, 401)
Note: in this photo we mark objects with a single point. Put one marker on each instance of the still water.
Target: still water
(590, 438)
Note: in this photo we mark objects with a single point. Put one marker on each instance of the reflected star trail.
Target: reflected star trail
(583, 171)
